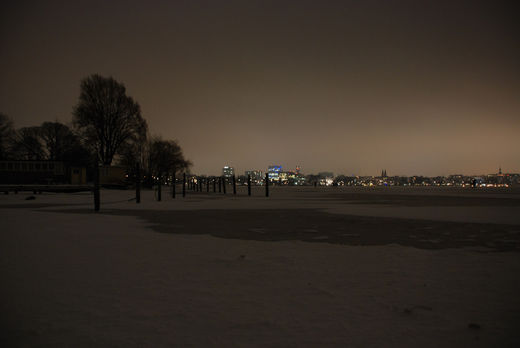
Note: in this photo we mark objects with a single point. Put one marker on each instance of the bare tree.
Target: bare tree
(165, 157)
(132, 155)
(52, 141)
(107, 117)
(26, 144)
(56, 137)
(60, 143)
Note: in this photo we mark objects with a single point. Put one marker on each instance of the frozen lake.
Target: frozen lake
(303, 268)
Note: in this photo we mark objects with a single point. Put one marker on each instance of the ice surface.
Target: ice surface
(103, 280)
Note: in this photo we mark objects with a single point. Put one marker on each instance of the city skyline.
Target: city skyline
(298, 169)
(416, 88)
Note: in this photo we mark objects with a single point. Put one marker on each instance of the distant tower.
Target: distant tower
(499, 170)
(382, 173)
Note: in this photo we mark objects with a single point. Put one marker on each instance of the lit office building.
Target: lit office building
(274, 172)
(228, 172)
(257, 177)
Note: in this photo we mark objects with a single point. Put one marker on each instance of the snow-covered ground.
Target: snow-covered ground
(86, 279)
(479, 206)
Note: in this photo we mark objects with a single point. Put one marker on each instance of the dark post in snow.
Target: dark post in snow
(234, 185)
(224, 185)
(173, 184)
(266, 184)
(159, 186)
(249, 185)
(184, 185)
(96, 186)
(137, 183)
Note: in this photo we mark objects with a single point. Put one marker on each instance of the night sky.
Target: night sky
(352, 87)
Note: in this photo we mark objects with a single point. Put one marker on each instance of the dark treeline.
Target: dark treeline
(107, 128)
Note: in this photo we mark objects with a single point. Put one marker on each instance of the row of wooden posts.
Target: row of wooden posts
(197, 184)
(193, 185)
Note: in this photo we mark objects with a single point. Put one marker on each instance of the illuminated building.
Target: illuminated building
(326, 178)
(228, 172)
(274, 172)
(283, 178)
(257, 176)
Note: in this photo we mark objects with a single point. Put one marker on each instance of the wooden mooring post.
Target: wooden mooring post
(184, 185)
(173, 185)
(159, 188)
(266, 184)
